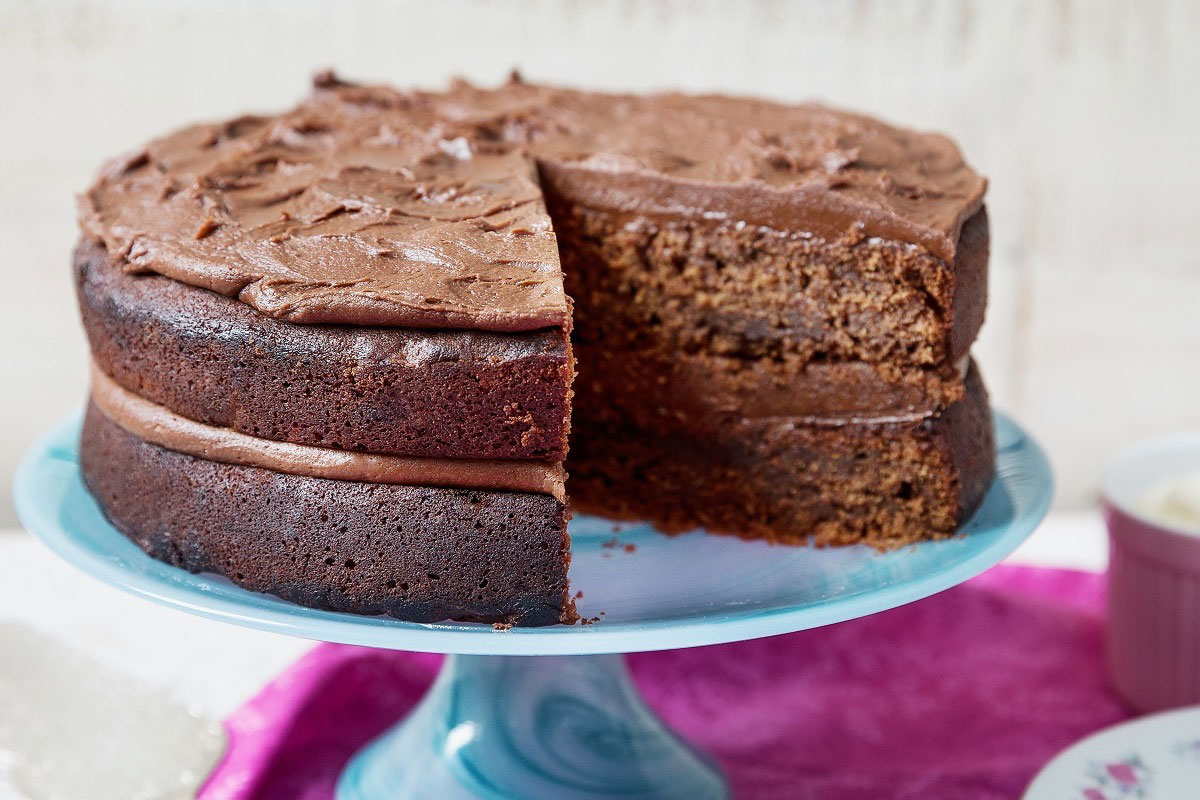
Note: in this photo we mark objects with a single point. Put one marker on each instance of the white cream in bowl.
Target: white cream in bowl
(1173, 502)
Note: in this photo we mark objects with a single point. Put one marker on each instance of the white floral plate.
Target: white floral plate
(1151, 758)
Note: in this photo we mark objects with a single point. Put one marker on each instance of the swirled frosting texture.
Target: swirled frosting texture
(372, 206)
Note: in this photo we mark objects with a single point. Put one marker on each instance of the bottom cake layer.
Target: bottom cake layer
(415, 553)
(883, 483)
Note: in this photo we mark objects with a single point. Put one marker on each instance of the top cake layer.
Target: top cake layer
(371, 206)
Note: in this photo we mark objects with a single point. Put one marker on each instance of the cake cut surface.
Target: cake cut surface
(718, 312)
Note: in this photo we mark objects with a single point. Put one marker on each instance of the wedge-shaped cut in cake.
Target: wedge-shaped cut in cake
(343, 354)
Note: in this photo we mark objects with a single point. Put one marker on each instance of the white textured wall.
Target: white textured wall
(1085, 116)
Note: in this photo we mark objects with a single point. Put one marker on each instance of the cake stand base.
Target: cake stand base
(531, 727)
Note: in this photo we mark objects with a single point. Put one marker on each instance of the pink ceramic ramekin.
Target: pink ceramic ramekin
(1153, 582)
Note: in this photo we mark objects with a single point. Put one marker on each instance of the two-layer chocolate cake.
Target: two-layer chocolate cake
(339, 352)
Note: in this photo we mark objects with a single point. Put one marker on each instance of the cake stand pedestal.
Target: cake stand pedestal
(551, 712)
(531, 726)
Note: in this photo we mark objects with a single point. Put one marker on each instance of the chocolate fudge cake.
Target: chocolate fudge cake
(339, 353)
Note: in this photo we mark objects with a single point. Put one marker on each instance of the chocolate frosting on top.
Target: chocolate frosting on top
(368, 205)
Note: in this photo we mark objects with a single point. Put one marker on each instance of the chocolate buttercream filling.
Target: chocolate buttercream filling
(158, 425)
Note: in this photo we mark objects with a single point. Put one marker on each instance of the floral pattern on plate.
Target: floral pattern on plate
(1151, 758)
(1129, 777)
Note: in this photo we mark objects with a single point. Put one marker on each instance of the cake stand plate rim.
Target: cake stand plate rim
(48, 481)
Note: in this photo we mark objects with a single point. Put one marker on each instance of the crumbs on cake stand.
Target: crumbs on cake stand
(614, 543)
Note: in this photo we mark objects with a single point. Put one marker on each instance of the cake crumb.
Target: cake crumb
(611, 543)
(208, 226)
(501, 626)
(631, 547)
(579, 595)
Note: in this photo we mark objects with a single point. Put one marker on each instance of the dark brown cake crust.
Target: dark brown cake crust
(883, 483)
(416, 553)
(446, 394)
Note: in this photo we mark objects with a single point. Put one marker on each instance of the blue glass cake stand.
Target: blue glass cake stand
(551, 712)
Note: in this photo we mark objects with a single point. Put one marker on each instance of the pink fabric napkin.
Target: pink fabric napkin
(962, 696)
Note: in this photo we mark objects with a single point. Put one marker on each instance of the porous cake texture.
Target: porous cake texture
(342, 354)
